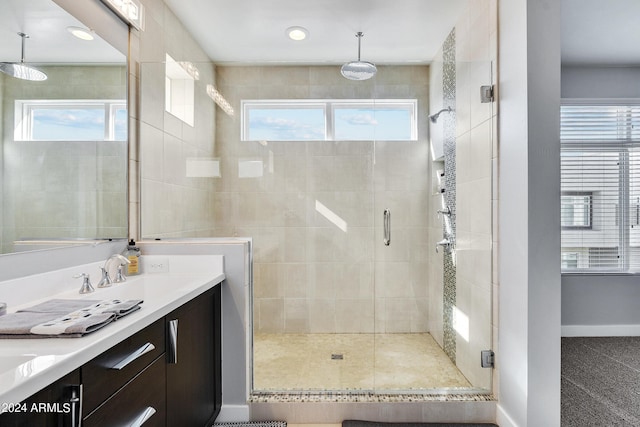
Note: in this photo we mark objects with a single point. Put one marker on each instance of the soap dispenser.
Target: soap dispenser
(132, 253)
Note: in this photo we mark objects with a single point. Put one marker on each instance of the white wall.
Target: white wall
(529, 187)
(600, 82)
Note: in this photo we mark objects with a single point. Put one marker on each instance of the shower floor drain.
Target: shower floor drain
(337, 356)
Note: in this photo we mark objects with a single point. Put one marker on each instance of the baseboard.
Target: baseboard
(600, 330)
(503, 419)
(233, 414)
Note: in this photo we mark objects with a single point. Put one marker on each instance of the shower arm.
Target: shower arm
(434, 117)
(23, 36)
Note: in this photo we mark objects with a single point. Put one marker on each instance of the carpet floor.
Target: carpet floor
(600, 381)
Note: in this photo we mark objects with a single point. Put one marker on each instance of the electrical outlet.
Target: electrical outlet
(158, 265)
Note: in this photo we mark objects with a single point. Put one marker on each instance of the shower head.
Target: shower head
(434, 117)
(358, 70)
(20, 70)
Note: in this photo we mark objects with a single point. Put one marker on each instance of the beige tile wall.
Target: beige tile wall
(171, 204)
(311, 276)
(476, 194)
(64, 189)
(436, 262)
(475, 163)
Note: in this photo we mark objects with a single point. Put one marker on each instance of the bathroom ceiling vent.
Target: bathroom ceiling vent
(358, 70)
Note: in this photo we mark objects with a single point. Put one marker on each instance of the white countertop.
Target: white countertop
(28, 365)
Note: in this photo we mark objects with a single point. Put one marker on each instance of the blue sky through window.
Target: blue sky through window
(286, 124)
(68, 124)
(352, 124)
(120, 126)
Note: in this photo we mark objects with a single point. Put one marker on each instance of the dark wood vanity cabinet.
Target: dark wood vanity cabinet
(53, 406)
(125, 384)
(168, 374)
(194, 382)
(141, 401)
(113, 369)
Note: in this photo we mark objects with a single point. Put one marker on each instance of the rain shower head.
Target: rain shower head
(434, 117)
(20, 70)
(358, 70)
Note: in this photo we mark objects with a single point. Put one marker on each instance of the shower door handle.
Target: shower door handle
(387, 227)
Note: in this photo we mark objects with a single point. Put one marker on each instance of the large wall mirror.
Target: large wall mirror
(63, 163)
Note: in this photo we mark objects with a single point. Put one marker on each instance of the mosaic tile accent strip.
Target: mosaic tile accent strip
(253, 424)
(368, 397)
(449, 123)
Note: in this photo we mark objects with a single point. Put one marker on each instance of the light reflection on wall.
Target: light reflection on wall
(461, 323)
(220, 100)
(331, 216)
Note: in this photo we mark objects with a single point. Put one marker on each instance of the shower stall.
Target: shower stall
(348, 290)
(372, 225)
(336, 299)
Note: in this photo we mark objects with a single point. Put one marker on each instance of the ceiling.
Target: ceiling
(253, 31)
(49, 41)
(396, 32)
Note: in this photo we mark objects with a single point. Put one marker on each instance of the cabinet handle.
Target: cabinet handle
(173, 341)
(133, 356)
(148, 413)
(76, 405)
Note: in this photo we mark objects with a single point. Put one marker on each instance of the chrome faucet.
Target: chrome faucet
(86, 283)
(106, 280)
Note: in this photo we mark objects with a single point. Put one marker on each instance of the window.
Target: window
(70, 120)
(179, 90)
(329, 120)
(576, 210)
(570, 259)
(282, 122)
(600, 180)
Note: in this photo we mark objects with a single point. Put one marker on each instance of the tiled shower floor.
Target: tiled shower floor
(369, 362)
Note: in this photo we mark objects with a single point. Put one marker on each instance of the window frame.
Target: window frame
(24, 115)
(329, 107)
(589, 224)
(625, 142)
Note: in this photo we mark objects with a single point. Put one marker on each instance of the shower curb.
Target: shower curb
(360, 397)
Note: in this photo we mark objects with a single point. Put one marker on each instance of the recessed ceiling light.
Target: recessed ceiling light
(297, 33)
(81, 33)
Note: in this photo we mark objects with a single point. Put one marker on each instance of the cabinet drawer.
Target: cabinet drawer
(105, 374)
(144, 395)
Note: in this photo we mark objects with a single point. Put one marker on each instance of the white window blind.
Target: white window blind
(600, 183)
